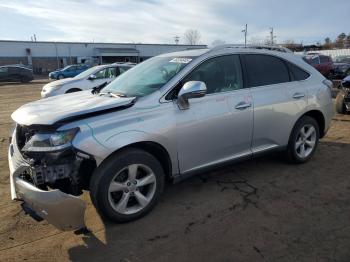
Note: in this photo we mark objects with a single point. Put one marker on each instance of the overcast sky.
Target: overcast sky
(158, 21)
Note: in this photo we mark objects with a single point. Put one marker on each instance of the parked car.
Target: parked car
(68, 71)
(171, 116)
(341, 68)
(322, 63)
(15, 73)
(342, 101)
(90, 78)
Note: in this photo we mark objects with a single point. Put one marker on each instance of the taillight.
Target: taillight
(328, 83)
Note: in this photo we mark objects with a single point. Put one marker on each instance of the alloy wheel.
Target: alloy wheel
(306, 141)
(132, 189)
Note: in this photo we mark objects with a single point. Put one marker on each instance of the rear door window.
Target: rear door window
(296, 73)
(265, 70)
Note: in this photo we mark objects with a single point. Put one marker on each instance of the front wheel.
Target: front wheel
(127, 185)
(59, 77)
(303, 140)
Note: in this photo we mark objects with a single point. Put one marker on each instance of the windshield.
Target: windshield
(148, 76)
(67, 67)
(86, 73)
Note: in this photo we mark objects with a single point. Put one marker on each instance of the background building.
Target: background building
(44, 57)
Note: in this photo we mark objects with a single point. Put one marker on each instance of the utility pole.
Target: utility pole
(272, 37)
(245, 31)
(177, 39)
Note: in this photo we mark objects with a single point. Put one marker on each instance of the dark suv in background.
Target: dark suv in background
(341, 67)
(322, 63)
(15, 73)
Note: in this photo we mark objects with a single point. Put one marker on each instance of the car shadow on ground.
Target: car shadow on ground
(260, 209)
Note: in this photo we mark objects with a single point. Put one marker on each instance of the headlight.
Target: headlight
(47, 142)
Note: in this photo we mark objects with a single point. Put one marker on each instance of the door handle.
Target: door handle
(298, 95)
(243, 105)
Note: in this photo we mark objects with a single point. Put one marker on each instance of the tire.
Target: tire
(24, 79)
(340, 107)
(72, 90)
(309, 143)
(59, 77)
(121, 201)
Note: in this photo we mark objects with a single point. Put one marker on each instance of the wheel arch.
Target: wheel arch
(319, 117)
(156, 150)
(73, 89)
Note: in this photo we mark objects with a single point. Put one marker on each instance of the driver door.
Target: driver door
(217, 127)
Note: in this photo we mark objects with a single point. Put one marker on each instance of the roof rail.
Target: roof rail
(266, 47)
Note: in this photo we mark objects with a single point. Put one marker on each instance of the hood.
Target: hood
(64, 81)
(51, 110)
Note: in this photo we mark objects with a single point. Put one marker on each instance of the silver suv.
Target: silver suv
(171, 116)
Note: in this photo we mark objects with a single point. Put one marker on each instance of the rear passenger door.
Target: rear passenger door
(278, 101)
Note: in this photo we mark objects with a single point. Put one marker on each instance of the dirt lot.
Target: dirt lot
(259, 210)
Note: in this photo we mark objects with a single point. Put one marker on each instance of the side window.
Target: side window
(265, 70)
(123, 69)
(220, 74)
(3, 70)
(102, 73)
(296, 73)
(111, 72)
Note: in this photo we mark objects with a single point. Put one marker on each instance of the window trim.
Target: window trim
(163, 98)
(286, 63)
(302, 69)
(277, 57)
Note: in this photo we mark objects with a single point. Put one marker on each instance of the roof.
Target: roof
(192, 52)
(255, 47)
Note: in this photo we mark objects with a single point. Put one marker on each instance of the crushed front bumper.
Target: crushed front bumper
(64, 211)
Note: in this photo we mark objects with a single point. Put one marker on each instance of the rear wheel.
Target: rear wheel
(127, 186)
(303, 140)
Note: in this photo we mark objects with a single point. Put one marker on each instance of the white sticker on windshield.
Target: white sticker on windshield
(181, 60)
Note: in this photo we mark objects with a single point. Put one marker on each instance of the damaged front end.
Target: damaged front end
(48, 174)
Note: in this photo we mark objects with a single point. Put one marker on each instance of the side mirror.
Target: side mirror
(92, 77)
(191, 89)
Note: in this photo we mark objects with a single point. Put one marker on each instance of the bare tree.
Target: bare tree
(192, 36)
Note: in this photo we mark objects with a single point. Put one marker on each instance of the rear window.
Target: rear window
(324, 59)
(296, 73)
(265, 70)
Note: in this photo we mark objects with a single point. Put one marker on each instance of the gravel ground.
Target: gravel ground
(258, 210)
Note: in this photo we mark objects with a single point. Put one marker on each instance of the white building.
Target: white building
(47, 56)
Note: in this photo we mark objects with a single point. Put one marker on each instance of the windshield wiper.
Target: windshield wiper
(113, 94)
(97, 89)
(117, 94)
